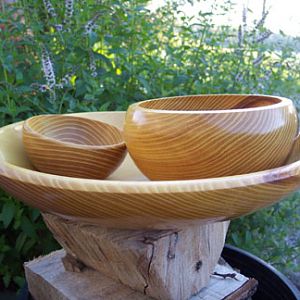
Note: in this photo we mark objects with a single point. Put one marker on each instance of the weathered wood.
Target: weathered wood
(164, 264)
(47, 279)
(72, 264)
(231, 286)
(244, 292)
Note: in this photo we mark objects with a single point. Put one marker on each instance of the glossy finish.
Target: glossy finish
(128, 200)
(206, 136)
(73, 146)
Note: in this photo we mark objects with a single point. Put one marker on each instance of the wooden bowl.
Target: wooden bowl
(127, 199)
(73, 146)
(206, 136)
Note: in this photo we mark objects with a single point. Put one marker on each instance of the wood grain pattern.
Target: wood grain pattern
(73, 146)
(128, 200)
(163, 264)
(47, 279)
(207, 136)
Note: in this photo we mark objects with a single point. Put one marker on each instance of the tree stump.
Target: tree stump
(162, 264)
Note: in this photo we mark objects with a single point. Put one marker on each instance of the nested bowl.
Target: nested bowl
(127, 199)
(73, 146)
(207, 136)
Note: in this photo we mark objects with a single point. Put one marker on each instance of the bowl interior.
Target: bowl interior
(12, 148)
(74, 130)
(210, 102)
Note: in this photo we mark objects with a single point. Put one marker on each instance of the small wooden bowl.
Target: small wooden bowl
(127, 199)
(207, 136)
(73, 146)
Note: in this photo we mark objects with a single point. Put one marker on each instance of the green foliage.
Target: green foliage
(23, 235)
(272, 234)
(104, 55)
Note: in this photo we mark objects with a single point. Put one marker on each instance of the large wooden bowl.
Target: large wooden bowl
(206, 136)
(73, 146)
(127, 199)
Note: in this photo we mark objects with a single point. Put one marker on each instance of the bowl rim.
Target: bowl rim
(23, 174)
(32, 132)
(283, 102)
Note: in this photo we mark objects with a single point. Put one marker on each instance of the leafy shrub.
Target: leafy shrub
(272, 234)
(23, 235)
(61, 57)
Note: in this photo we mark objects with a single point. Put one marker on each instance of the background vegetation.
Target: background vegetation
(73, 56)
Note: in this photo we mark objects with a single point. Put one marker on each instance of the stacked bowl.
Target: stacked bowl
(192, 159)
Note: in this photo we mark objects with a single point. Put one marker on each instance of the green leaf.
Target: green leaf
(80, 88)
(20, 241)
(145, 84)
(21, 109)
(7, 214)
(35, 214)
(29, 244)
(235, 238)
(248, 237)
(6, 279)
(4, 110)
(19, 76)
(27, 227)
(105, 106)
(19, 280)
(103, 58)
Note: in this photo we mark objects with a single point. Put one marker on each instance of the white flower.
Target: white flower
(49, 8)
(91, 25)
(43, 88)
(66, 79)
(93, 67)
(58, 27)
(69, 10)
(239, 77)
(48, 69)
(244, 16)
(240, 36)
(261, 22)
(257, 61)
(262, 37)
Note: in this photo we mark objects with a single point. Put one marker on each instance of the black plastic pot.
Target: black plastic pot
(272, 285)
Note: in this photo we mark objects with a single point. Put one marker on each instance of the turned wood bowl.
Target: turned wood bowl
(127, 199)
(207, 136)
(73, 146)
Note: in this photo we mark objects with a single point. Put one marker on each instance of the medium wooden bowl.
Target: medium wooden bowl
(73, 146)
(206, 136)
(127, 199)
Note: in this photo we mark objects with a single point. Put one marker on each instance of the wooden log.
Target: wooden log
(163, 264)
(47, 279)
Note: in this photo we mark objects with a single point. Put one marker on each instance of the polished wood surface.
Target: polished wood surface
(206, 136)
(73, 146)
(128, 200)
(163, 264)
